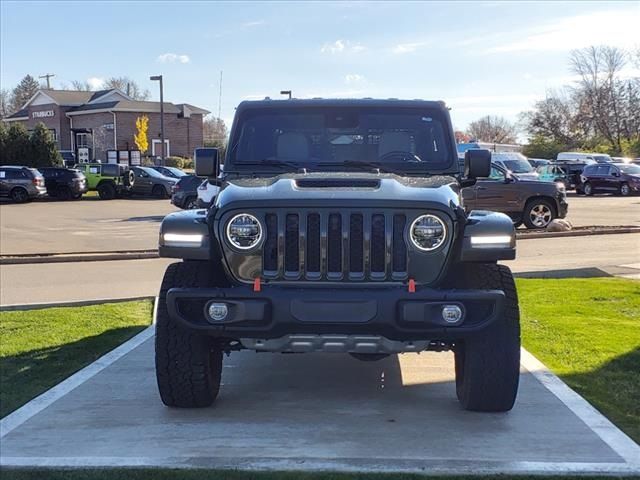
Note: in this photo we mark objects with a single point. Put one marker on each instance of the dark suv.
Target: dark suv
(64, 183)
(532, 202)
(21, 184)
(339, 228)
(184, 194)
(620, 178)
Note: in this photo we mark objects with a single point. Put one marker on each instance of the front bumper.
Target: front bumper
(563, 206)
(392, 312)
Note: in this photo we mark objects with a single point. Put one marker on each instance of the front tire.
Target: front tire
(538, 213)
(625, 191)
(159, 192)
(488, 363)
(587, 189)
(188, 366)
(106, 191)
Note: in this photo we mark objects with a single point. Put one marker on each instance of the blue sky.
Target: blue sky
(480, 57)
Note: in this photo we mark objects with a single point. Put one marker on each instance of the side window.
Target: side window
(95, 170)
(496, 174)
(602, 170)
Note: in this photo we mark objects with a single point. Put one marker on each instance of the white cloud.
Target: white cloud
(253, 23)
(342, 46)
(173, 58)
(615, 27)
(353, 78)
(95, 82)
(408, 47)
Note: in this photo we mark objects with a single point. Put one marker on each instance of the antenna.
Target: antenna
(220, 97)
(47, 76)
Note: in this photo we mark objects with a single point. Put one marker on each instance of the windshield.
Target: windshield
(630, 169)
(602, 158)
(151, 172)
(350, 137)
(513, 161)
(176, 171)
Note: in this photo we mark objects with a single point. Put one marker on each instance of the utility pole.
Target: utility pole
(162, 157)
(220, 97)
(47, 76)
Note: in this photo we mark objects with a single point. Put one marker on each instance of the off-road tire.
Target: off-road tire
(488, 363)
(106, 191)
(587, 189)
(19, 195)
(159, 192)
(538, 203)
(188, 366)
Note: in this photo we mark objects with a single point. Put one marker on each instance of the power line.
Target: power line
(47, 76)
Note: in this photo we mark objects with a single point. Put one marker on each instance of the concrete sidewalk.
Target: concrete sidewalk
(318, 412)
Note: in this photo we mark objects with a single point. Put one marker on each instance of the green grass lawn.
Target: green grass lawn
(587, 331)
(40, 348)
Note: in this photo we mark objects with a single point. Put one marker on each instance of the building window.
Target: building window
(156, 149)
(82, 140)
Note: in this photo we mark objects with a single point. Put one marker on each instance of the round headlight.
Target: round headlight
(244, 231)
(427, 232)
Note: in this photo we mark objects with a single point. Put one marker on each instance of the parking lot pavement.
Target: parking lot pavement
(315, 411)
(86, 225)
(93, 225)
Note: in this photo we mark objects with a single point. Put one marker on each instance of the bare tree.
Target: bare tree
(493, 129)
(215, 131)
(554, 119)
(128, 86)
(80, 86)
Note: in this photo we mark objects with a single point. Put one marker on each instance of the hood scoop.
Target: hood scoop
(337, 183)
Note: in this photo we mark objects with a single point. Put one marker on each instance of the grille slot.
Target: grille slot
(325, 245)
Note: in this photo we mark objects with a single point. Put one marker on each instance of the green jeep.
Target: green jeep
(108, 179)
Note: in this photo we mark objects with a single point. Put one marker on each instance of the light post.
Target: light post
(159, 78)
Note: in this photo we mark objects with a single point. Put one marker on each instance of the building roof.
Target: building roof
(19, 115)
(135, 106)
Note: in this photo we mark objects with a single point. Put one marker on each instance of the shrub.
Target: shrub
(172, 161)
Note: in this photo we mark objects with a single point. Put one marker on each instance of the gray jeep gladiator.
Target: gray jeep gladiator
(339, 227)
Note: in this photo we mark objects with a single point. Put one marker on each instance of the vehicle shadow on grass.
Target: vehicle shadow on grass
(614, 389)
(28, 374)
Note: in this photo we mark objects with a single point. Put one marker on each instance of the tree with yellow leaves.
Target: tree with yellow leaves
(142, 125)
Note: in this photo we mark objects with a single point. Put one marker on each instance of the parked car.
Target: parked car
(515, 163)
(171, 172)
(64, 183)
(207, 192)
(68, 157)
(21, 184)
(110, 180)
(538, 162)
(568, 173)
(620, 178)
(531, 202)
(587, 158)
(151, 182)
(185, 193)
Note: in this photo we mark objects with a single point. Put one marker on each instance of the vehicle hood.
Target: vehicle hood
(526, 176)
(340, 189)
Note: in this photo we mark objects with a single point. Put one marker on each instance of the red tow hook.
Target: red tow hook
(257, 286)
(412, 286)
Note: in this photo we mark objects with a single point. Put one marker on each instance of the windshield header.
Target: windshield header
(321, 138)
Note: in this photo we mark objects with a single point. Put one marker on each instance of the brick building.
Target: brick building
(106, 120)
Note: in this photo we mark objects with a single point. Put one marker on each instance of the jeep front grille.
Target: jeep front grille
(330, 245)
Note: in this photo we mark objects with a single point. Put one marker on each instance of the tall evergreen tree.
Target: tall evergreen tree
(43, 148)
(26, 89)
(18, 147)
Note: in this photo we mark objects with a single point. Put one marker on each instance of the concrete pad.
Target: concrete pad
(316, 412)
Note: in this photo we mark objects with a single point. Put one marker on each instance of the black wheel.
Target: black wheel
(63, 193)
(191, 203)
(587, 189)
(625, 191)
(106, 191)
(188, 365)
(159, 192)
(488, 363)
(538, 213)
(19, 195)
(77, 196)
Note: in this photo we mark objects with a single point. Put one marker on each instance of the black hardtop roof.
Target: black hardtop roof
(341, 102)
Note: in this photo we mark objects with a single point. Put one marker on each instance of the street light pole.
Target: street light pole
(159, 78)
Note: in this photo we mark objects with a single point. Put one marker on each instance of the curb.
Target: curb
(76, 257)
(578, 233)
(72, 303)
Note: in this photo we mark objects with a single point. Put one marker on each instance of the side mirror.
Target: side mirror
(477, 163)
(615, 174)
(206, 160)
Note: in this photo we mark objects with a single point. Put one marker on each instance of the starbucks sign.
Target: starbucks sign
(43, 114)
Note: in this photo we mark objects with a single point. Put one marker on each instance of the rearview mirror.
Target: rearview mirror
(206, 160)
(477, 163)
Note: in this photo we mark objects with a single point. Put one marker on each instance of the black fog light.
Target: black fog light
(217, 312)
(451, 313)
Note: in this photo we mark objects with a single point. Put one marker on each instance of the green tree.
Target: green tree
(3, 143)
(17, 148)
(26, 89)
(44, 152)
